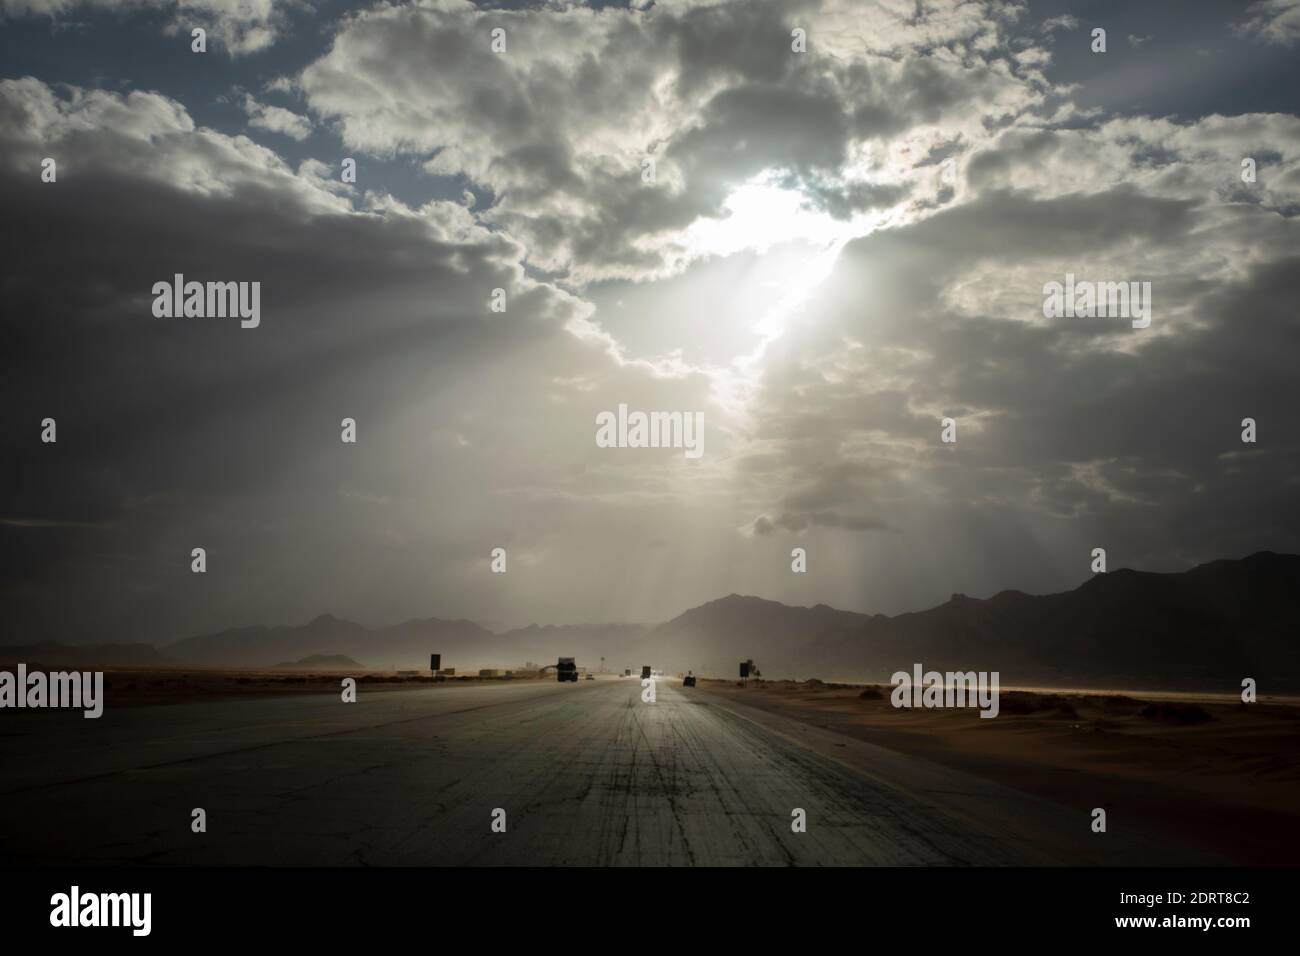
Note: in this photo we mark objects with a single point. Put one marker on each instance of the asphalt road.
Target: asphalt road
(587, 774)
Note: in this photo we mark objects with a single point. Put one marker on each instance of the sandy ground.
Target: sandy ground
(129, 686)
(1210, 772)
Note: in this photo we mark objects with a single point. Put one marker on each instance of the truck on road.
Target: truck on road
(645, 671)
(566, 669)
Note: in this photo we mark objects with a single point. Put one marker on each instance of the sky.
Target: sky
(838, 249)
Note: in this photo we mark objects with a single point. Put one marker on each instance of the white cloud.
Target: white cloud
(145, 135)
(239, 26)
(1274, 21)
(1065, 21)
(717, 95)
(276, 119)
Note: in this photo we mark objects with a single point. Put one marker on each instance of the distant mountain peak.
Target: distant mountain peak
(732, 600)
(330, 622)
(1127, 627)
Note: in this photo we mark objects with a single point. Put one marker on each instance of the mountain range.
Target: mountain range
(1206, 628)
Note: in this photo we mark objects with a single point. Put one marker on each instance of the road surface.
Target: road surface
(587, 774)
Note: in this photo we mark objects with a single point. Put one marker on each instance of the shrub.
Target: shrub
(1175, 712)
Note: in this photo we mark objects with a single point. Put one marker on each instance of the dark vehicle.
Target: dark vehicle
(566, 669)
(689, 681)
(645, 672)
(591, 677)
(627, 672)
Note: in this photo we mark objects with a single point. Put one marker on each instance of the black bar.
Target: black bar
(301, 906)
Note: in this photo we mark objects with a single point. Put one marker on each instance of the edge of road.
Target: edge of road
(1038, 824)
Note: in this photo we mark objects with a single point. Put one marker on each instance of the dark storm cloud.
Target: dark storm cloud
(557, 127)
(1141, 443)
(949, 124)
(799, 521)
(163, 423)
